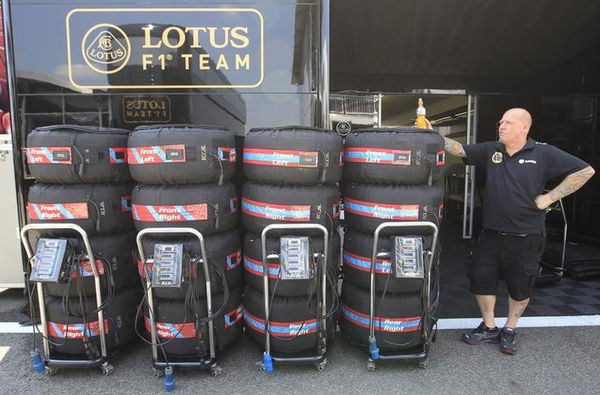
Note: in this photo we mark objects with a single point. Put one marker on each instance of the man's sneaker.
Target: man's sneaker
(508, 341)
(481, 334)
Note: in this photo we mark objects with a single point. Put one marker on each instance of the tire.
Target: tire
(69, 154)
(266, 204)
(366, 206)
(253, 267)
(113, 250)
(357, 254)
(393, 156)
(400, 313)
(209, 208)
(97, 208)
(119, 316)
(181, 154)
(177, 328)
(293, 155)
(224, 251)
(292, 321)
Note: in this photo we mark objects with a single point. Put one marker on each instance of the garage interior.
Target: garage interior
(470, 61)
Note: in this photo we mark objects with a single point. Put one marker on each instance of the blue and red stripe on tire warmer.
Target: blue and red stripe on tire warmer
(382, 324)
(76, 331)
(281, 329)
(281, 158)
(187, 330)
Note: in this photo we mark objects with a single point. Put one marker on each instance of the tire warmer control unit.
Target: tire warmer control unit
(50, 263)
(409, 260)
(294, 265)
(167, 271)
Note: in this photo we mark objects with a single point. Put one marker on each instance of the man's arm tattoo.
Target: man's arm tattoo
(454, 148)
(571, 183)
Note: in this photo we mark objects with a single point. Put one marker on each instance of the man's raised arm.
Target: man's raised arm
(454, 148)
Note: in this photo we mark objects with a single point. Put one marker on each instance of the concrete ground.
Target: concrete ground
(550, 361)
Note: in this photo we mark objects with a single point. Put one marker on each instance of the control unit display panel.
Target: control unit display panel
(294, 258)
(408, 257)
(49, 262)
(167, 266)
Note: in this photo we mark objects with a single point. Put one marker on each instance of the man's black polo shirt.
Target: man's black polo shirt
(513, 182)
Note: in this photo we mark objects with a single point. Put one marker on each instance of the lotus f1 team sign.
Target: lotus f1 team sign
(188, 48)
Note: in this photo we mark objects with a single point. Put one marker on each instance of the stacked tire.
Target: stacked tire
(183, 173)
(389, 175)
(82, 178)
(293, 174)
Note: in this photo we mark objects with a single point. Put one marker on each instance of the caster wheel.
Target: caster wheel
(216, 370)
(371, 366)
(321, 365)
(48, 371)
(423, 365)
(158, 372)
(261, 367)
(107, 369)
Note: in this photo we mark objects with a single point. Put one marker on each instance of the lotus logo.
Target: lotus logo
(106, 45)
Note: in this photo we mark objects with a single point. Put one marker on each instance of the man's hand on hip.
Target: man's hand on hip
(543, 201)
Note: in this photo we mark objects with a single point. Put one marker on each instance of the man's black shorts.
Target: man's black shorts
(514, 259)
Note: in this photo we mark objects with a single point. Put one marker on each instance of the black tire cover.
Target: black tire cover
(115, 251)
(265, 204)
(253, 267)
(393, 156)
(181, 154)
(293, 155)
(97, 208)
(208, 208)
(366, 206)
(71, 154)
(224, 251)
(293, 326)
(398, 318)
(67, 330)
(176, 326)
(357, 254)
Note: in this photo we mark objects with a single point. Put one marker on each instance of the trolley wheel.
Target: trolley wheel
(157, 372)
(107, 369)
(321, 365)
(423, 365)
(49, 371)
(216, 370)
(371, 365)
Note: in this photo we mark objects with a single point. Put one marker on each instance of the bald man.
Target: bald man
(513, 236)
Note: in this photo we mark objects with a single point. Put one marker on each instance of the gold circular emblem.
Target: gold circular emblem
(106, 45)
(497, 157)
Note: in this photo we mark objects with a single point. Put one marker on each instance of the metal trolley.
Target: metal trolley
(49, 363)
(159, 361)
(428, 335)
(320, 358)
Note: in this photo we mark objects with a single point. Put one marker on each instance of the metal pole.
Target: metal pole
(324, 66)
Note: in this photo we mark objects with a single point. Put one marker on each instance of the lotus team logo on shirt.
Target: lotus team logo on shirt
(497, 157)
(106, 45)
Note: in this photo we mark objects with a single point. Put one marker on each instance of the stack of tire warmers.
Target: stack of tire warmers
(388, 176)
(82, 178)
(183, 171)
(293, 173)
